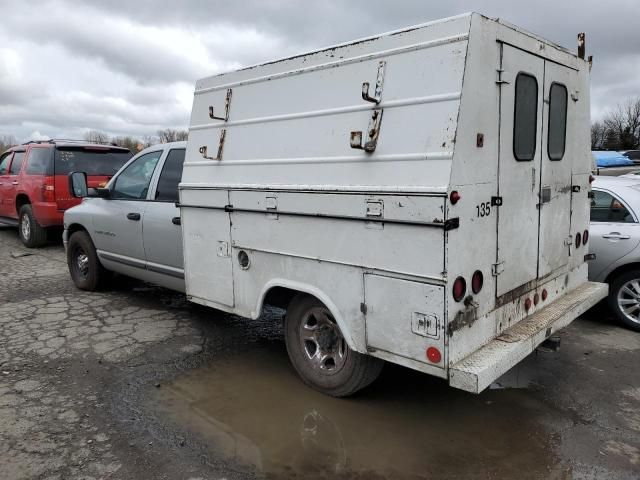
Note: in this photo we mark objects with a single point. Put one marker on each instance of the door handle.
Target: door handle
(14, 183)
(176, 221)
(617, 236)
(133, 216)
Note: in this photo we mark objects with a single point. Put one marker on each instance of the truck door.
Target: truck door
(557, 155)
(521, 107)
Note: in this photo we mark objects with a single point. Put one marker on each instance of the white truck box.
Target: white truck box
(377, 177)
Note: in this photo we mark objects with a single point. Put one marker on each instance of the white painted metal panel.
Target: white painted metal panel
(409, 325)
(519, 181)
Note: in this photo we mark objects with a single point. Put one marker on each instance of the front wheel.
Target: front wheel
(624, 299)
(84, 266)
(319, 352)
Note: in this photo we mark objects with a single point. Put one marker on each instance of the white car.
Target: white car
(615, 240)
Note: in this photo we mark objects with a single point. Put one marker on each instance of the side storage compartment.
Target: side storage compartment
(206, 233)
(407, 319)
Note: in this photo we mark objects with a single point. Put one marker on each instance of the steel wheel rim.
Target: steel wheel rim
(80, 262)
(322, 342)
(25, 227)
(629, 300)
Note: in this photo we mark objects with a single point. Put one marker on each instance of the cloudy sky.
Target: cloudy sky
(128, 67)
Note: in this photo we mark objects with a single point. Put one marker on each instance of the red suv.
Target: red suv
(34, 189)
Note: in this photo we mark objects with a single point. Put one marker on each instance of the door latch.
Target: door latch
(496, 201)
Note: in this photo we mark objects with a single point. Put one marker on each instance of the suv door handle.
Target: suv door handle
(133, 216)
(176, 221)
(617, 236)
(14, 183)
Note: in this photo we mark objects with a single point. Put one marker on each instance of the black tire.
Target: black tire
(344, 371)
(31, 233)
(84, 266)
(615, 287)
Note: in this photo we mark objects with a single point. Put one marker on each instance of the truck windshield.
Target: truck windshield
(103, 162)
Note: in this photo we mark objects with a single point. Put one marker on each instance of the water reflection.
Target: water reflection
(252, 410)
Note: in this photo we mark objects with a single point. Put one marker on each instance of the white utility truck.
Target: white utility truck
(417, 197)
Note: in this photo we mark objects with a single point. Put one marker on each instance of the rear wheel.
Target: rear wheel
(624, 299)
(84, 266)
(31, 233)
(319, 352)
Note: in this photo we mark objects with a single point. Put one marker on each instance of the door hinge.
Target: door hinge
(363, 308)
(451, 223)
(496, 201)
(575, 188)
(497, 268)
(500, 81)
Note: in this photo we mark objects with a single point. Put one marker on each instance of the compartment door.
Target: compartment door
(404, 317)
(521, 101)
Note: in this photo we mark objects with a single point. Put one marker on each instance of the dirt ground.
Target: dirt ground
(136, 383)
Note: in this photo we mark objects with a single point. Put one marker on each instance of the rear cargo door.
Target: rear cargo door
(557, 154)
(521, 107)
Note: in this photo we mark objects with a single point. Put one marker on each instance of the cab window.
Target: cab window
(167, 190)
(4, 162)
(133, 182)
(525, 117)
(607, 208)
(16, 164)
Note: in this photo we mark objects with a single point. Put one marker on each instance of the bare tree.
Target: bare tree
(171, 135)
(133, 144)
(622, 125)
(96, 137)
(598, 136)
(7, 141)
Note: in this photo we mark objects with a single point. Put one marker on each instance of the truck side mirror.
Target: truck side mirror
(78, 184)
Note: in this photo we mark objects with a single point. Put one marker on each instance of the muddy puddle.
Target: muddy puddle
(252, 412)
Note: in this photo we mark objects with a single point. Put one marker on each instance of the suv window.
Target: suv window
(525, 117)
(4, 162)
(133, 181)
(92, 161)
(39, 162)
(167, 190)
(633, 154)
(16, 164)
(607, 208)
(557, 121)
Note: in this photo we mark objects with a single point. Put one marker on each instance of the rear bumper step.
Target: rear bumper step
(477, 371)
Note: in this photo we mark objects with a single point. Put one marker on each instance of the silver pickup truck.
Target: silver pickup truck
(132, 226)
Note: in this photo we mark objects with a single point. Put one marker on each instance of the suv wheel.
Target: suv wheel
(319, 352)
(624, 299)
(84, 266)
(31, 233)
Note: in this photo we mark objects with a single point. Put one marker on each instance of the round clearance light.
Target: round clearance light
(585, 237)
(544, 294)
(459, 289)
(454, 197)
(578, 240)
(527, 304)
(434, 355)
(243, 260)
(536, 299)
(477, 280)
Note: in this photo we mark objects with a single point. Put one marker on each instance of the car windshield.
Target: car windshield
(104, 162)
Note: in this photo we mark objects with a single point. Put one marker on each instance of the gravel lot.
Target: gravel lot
(135, 383)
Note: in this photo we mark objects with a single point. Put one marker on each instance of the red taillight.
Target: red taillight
(459, 289)
(578, 240)
(585, 237)
(434, 355)
(536, 299)
(544, 294)
(454, 197)
(48, 189)
(527, 304)
(591, 178)
(477, 280)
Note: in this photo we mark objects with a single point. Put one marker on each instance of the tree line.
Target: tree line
(135, 144)
(619, 129)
